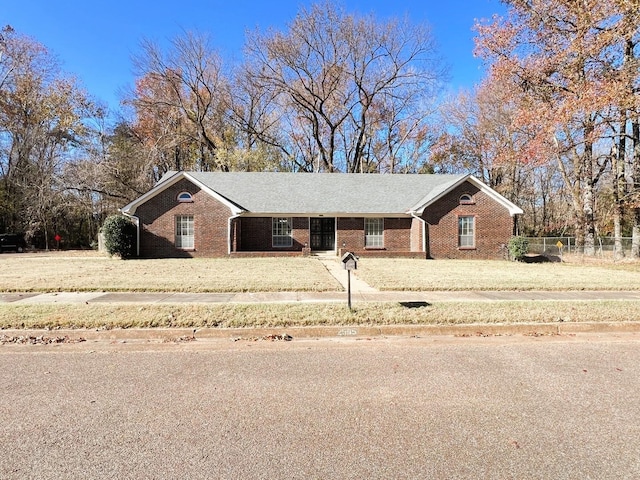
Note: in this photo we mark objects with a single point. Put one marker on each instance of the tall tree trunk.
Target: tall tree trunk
(588, 194)
(619, 186)
(589, 220)
(635, 235)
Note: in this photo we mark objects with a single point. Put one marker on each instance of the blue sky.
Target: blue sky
(95, 40)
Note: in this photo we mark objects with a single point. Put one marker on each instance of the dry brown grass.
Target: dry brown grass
(73, 271)
(91, 272)
(421, 275)
(297, 315)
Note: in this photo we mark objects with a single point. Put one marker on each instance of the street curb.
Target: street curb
(347, 331)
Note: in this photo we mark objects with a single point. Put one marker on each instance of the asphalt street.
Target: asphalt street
(557, 406)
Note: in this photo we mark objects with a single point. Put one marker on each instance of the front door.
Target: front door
(323, 233)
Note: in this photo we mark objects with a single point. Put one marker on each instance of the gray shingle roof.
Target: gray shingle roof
(335, 193)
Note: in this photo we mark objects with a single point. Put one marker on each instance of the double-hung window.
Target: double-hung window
(281, 232)
(184, 232)
(374, 233)
(466, 232)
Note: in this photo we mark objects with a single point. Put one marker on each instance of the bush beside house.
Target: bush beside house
(119, 236)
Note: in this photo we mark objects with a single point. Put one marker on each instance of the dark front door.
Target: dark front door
(323, 233)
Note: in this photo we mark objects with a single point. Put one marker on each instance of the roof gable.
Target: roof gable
(169, 179)
(438, 193)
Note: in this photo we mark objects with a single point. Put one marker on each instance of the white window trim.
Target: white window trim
(278, 239)
(471, 235)
(466, 199)
(180, 237)
(187, 199)
(374, 240)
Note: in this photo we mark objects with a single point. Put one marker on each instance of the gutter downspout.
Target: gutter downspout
(231, 218)
(136, 221)
(424, 230)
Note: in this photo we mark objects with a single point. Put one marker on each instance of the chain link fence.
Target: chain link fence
(605, 246)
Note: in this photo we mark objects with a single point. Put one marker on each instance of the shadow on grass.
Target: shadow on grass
(415, 304)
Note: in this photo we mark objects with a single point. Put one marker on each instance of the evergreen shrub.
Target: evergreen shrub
(518, 247)
(119, 236)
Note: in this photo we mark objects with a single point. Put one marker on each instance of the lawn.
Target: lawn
(309, 314)
(89, 271)
(68, 271)
(429, 275)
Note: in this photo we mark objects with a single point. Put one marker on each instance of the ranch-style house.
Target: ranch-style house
(214, 214)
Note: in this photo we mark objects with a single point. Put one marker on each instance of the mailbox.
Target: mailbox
(349, 261)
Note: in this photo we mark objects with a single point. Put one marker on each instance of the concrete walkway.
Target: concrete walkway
(336, 269)
(360, 295)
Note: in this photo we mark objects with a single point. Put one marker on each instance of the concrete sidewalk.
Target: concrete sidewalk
(144, 335)
(363, 295)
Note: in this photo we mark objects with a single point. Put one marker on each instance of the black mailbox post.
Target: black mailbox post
(349, 262)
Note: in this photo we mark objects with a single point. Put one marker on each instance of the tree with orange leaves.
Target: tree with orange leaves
(565, 59)
(481, 135)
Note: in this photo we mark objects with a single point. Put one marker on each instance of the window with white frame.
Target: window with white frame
(466, 199)
(185, 197)
(466, 232)
(281, 232)
(373, 232)
(184, 232)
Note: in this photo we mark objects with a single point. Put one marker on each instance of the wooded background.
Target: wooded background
(554, 126)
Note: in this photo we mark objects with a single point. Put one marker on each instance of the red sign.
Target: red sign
(57, 238)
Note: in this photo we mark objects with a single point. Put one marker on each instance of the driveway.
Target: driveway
(403, 408)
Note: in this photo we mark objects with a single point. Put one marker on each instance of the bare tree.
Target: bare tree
(41, 125)
(344, 84)
(259, 143)
(180, 104)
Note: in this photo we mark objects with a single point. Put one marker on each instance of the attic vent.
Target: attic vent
(466, 199)
(185, 197)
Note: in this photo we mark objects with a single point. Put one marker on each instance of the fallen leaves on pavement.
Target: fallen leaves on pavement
(37, 340)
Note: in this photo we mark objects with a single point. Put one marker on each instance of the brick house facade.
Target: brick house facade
(189, 214)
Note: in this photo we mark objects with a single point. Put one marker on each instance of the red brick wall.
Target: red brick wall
(256, 235)
(397, 235)
(493, 225)
(350, 234)
(402, 236)
(416, 235)
(158, 219)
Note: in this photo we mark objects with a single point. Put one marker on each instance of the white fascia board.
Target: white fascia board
(235, 209)
(130, 209)
(426, 201)
(511, 207)
(326, 215)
